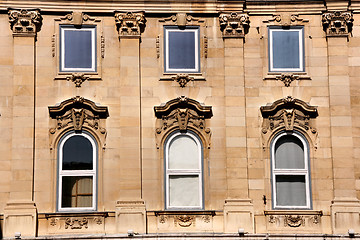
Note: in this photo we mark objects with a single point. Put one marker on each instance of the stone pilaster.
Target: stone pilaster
(345, 208)
(20, 211)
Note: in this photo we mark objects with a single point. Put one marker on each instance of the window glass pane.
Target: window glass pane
(77, 191)
(78, 49)
(289, 153)
(285, 49)
(184, 191)
(181, 50)
(290, 190)
(183, 153)
(77, 154)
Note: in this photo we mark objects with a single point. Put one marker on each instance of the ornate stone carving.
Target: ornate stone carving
(337, 23)
(182, 19)
(102, 46)
(78, 18)
(162, 219)
(77, 78)
(183, 113)
(205, 46)
(75, 223)
(77, 113)
(206, 219)
(234, 24)
(158, 46)
(184, 221)
(130, 24)
(182, 79)
(286, 19)
(294, 221)
(287, 79)
(25, 21)
(288, 114)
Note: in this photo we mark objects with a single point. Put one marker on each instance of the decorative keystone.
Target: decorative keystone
(130, 24)
(234, 24)
(287, 79)
(182, 79)
(25, 21)
(337, 23)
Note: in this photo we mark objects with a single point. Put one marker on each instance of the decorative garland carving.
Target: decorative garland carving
(184, 221)
(287, 79)
(75, 223)
(289, 114)
(294, 221)
(130, 24)
(337, 23)
(77, 78)
(77, 113)
(234, 24)
(182, 19)
(183, 113)
(286, 19)
(25, 21)
(182, 79)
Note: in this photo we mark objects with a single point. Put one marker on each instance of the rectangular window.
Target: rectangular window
(77, 49)
(286, 49)
(181, 49)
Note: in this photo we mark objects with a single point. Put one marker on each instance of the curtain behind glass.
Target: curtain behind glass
(289, 153)
(290, 190)
(183, 153)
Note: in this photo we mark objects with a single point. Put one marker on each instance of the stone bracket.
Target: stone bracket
(337, 24)
(130, 24)
(25, 22)
(234, 25)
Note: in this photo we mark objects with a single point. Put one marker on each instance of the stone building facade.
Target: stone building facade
(192, 119)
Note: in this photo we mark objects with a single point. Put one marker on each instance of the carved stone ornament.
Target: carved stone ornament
(182, 19)
(25, 21)
(183, 114)
(184, 221)
(293, 219)
(234, 24)
(287, 79)
(75, 223)
(77, 78)
(130, 24)
(78, 113)
(78, 18)
(182, 79)
(286, 19)
(337, 23)
(288, 114)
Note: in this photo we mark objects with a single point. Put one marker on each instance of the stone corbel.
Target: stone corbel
(77, 78)
(183, 114)
(286, 19)
(234, 25)
(25, 22)
(130, 24)
(287, 78)
(337, 24)
(182, 19)
(288, 114)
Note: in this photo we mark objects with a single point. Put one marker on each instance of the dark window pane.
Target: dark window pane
(285, 49)
(289, 153)
(77, 154)
(290, 190)
(78, 49)
(76, 191)
(182, 50)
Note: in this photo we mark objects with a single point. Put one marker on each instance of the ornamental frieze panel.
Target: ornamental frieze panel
(337, 23)
(285, 219)
(78, 18)
(130, 24)
(25, 21)
(234, 24)
(183, 114)
(182, 20)
(288, 114)
(286, 19)
(76, 114)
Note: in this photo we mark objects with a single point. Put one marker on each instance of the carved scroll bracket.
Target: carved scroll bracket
(25, 22)
(77, 78)
(286, 19)
(130, 24)
(234, 24)
(288, 114)
(182, 19)
(337, 23)
(76, 114)
(183, 114)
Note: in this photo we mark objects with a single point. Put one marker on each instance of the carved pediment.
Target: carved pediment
(25, 21)
(130, 24)
(234, 24)
(77, 113)
(183, 114)
(288, 114)
(337, 23)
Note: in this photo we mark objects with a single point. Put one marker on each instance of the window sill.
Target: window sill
(184, 212)
(182, 78)
(78, 77)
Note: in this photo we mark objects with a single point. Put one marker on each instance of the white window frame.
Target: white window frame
(194, 29)
(63, 29)
(291, 172)
(183, 172)
(298, 29)
(77, 173)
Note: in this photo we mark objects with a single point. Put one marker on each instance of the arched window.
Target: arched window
(290, 171)
(183, 171)
(77, 159)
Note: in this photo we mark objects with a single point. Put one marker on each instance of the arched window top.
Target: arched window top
(289, 152)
